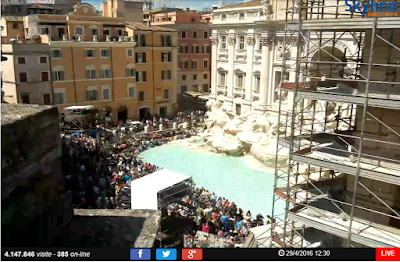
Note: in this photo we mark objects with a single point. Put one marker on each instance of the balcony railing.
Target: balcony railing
(255, 94)
(222, 89)
(239, 91)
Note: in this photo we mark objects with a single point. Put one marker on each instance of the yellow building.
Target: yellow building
(95, 62)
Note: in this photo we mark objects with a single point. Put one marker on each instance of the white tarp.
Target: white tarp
(144, 191)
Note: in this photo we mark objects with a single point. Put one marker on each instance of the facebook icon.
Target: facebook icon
(140, 254)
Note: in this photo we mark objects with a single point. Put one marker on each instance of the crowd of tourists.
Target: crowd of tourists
(100, 163)
(212, 214)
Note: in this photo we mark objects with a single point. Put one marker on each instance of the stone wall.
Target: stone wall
(35, 205)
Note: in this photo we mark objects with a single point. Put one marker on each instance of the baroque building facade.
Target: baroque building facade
(247, 50)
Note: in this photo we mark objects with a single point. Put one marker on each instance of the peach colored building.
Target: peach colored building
(94, 62)
(13, 27)
(194, 58)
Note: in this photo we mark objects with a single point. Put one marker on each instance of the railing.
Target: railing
(239, 91)
(255, 94)
(222, 89)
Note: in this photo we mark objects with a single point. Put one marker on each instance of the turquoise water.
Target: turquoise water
(229, 177)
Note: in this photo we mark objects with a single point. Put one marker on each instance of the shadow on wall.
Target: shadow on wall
(95, 231)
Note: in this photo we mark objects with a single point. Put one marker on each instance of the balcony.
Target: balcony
(239, 92)
(222, 89)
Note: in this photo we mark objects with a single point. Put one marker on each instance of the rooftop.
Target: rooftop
(143, 27)
(111, 228)
(11, 113)
(246, 4)
(13, 18)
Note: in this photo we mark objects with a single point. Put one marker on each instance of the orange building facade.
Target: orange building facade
(94, 61)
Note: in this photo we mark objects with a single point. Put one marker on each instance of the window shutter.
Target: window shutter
(162, 40)
(169, 74)
(169, 57)
(162, 75)
(162, 57)
(137, 76)
(93, 74)
(136, 57)
(144, 76)
(127, 72)
(144, 57)
(143, 40)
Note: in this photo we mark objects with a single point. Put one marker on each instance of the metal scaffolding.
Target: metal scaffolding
(327, 127)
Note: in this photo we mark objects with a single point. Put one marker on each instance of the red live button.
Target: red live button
(387, 254)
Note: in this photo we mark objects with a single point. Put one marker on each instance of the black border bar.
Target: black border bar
(209, 254)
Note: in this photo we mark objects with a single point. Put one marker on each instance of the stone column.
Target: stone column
(265, 69)
(214, 69)
(249, 66)
(231, 61)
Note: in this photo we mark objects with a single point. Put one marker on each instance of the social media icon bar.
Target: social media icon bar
(192, 254)
(166, 254)
(140, 254)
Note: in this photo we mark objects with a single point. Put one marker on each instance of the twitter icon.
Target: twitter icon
(166, 254)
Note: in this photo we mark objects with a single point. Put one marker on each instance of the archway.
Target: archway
(144, 113)
(122, 113)
(327, 54)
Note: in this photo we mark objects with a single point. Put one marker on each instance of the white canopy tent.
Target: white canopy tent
(145, 190)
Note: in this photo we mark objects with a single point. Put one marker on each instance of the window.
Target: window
(94, 31)
(241, 16)
(183, 89)
(106, 32)
(25, 98)
(206, 88)
(105, 71)
(206, 49)
(194, 77)
(140, 40)
(260, 44)
(222, 78)
(195, 49)
(89, 53)
(56, 53)
(142, 96)
(59, 96)
(205, 63)
(166, 57)
(194, 64)
(21, 60)
(163, 111)
(78, 30)
(183, 77)
(195, 35)
(195, 88)
(239, 80)
(241, 42)
(58, 73)
(184, 49)
(205, 34)
(166, 93)
(120, 32)
(92, 93)
(166, 75)
(23, 77)
(223, 42)
(15, 26)
(131, 90)
(44, 76)
(193, 20)
(141, 76)
(44, 30)
(104, 53)
(46, 99)
(43, 59)
(90, 72)
(141, 57)
(130, 70)
(106, 92)
(166, 40)
(223, 17)
(184, 64)
(205, 76)
(257, 82)
(183, 34)
(129, 52)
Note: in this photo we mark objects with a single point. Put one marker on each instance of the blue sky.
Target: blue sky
(192, 4)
